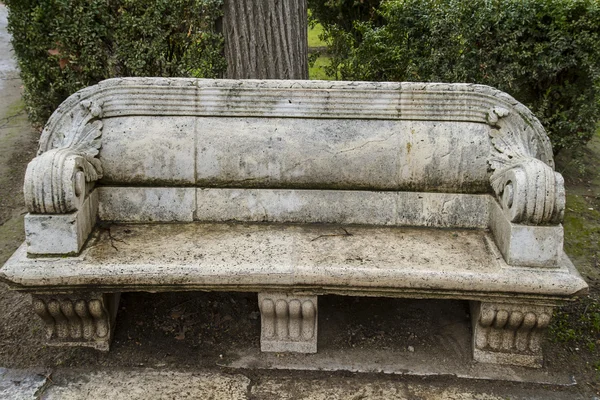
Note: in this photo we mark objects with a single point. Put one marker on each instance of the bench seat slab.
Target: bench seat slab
(350, 259)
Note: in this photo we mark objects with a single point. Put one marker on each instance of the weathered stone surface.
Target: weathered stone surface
(142, 384)
(288, 322)
(344, 388)
(343, 207)
(61, 233)
(441, 210)
(149, 151)
(350, 259)
(343, 154)
(146, 204)
(509, 333)
(21, 384)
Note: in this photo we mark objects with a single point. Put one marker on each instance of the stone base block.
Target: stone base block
(509, 333)
(526, 245)
(80, 319)
(288, 323)
(61, 233)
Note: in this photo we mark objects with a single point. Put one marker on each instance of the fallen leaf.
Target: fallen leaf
(63, 62)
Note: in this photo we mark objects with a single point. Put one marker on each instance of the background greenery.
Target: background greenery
(65, 45)
(546, 53)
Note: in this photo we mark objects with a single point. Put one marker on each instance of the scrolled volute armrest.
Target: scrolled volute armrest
(528, 189)
(530, 192)
(58, 180)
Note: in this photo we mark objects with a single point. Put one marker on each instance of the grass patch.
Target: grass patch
(578, 324)
(314, 34)
(317, 67)
(582, 228)
(12, 234)
(15, 108)
(317, 70)
(582, 212)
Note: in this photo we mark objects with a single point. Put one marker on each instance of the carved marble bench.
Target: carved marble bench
(293, 189)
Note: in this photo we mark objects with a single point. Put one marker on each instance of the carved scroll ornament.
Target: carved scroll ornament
(58, 180)
(529, 190)
(511, 328)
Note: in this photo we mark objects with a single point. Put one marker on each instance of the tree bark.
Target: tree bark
(266, 39)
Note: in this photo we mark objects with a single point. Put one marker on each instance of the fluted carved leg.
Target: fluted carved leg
(80, 319)
(509, 333)
(288, 323)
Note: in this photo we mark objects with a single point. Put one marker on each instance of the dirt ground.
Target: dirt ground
(197, 331)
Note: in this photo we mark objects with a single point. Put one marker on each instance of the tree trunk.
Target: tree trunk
(266, 39)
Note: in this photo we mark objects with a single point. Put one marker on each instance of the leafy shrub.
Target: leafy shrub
(344, 14)
(65, 45)
(546, 53)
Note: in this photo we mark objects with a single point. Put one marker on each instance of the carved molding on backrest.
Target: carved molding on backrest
(458, 102)
(59, 178)
(534, 195)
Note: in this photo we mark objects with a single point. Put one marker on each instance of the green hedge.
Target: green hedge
(546, 53)
(65, 45)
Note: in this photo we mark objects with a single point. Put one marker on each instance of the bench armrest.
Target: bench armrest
(59, 187)
(530, 192)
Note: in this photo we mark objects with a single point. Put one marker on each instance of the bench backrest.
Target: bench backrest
(226, 136)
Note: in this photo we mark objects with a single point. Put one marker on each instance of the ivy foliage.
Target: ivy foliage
(65, 45)
(545, 53)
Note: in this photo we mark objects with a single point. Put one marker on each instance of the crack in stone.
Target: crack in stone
(367, 143)
(285, 171)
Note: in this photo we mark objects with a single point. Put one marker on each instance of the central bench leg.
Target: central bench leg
(509, 333)
(79, 319)
(288, 323)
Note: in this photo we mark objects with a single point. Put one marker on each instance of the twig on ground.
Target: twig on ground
(346, 233)
(47, 384)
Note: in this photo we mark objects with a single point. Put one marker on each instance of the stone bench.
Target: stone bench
(294, 189)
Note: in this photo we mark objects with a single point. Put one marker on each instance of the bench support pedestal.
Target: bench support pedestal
(78, 319)
(288, 322)
(509, 333)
